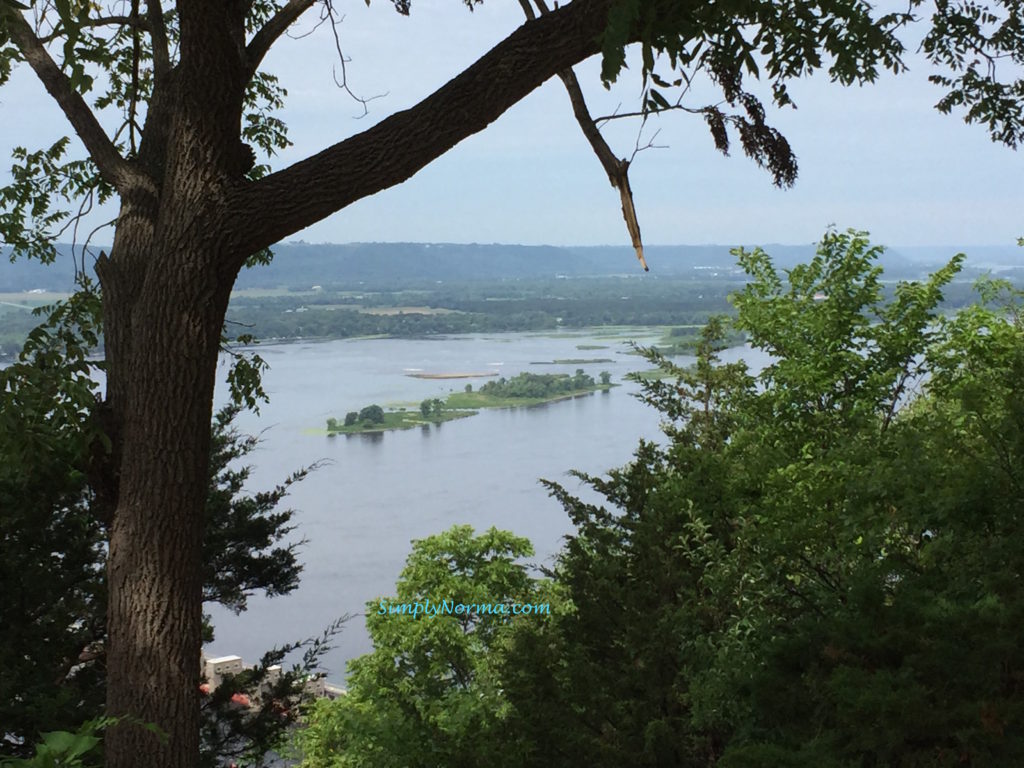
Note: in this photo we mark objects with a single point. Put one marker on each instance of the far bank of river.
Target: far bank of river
(378, 491)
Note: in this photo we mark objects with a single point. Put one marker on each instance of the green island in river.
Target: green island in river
(524, 390)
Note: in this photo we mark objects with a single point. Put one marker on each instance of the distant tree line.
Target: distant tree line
(478, 307)
(505, 307)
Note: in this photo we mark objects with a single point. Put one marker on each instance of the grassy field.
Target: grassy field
(259, 293)
(409, 310)
(620, 332)
(675, 343)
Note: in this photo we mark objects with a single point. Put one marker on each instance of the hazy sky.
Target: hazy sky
(878, 158)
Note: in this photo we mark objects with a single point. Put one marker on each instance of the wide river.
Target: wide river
(375, 493)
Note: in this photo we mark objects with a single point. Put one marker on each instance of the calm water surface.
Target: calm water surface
(376, 493)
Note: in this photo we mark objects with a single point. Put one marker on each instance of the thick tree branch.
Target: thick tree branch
(285, 202)
(158, 36)
(272, 30)
(114, 169)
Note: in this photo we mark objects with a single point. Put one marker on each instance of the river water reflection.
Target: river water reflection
(374, 494)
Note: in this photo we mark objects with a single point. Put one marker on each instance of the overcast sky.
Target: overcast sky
(878, 158)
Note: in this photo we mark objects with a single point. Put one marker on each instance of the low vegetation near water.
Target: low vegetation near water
(373, 418)
(519, 391)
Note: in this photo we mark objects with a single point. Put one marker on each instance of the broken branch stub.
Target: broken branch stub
(617, 170)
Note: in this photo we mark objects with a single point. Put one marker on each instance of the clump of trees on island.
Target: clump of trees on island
(368, 416)
(539, 385)
(375, 418)
(431, 406)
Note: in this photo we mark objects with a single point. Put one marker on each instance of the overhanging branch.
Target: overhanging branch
(114, 169)
(265, 211)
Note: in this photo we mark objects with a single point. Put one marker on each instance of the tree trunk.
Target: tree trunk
(189, 218)
(162, 343)
(166, 286)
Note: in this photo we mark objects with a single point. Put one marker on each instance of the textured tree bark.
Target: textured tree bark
(164, 360)
(166, 286)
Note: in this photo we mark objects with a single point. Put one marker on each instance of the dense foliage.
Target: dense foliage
(818, 568)
(52, 600)
(52, 549)
(428, 695)
(171, 105)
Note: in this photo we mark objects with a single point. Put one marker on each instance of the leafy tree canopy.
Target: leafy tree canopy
(819, 568)
(427, 695)
(174, 112)
(111, 62)
(53, 549)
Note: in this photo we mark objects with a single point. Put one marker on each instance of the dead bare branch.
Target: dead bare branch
(99, 21)
(647, 113)
(343, 82)
(617, 170)
(133, 104)
(649, 145)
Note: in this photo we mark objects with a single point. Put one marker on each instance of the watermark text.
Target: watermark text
(430, 608)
